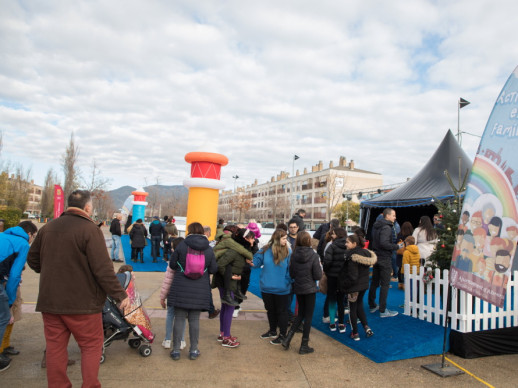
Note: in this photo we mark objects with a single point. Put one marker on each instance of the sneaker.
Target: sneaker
(341, 328)
(166, 344)
(194, 355)
(175, 355)
(5, 362)
(278, 340)
(369, 332)
(332, 327)
(10, 351)
(325, 320)
(220, 337)
(182, 345)
(355, 337)
(269, 334)
(230, 342)
(388, 313)
(214, 314)
(235, 314)
(374, 309)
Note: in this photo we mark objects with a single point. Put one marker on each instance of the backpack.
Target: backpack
(194, 264)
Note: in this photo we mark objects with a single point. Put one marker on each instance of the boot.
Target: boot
(286, 341)
(304, 347)
(239, 295)
(227, 299)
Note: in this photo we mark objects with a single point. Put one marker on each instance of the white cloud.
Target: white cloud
(142, 84)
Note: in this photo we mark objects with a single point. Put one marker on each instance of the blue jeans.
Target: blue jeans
(115, 246)
(169, 324)
(155, 246)
(380, 278)
(395, 268)
(5, 314)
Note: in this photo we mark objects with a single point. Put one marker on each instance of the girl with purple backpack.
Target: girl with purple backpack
(192, 261)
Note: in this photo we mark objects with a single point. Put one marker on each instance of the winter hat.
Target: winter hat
(254, 228)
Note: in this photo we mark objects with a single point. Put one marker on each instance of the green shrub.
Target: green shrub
(11, 217)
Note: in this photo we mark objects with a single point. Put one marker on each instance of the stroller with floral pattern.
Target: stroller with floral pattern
(134, 321)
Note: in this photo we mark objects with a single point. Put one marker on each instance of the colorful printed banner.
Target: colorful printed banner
(488, 231)
(59, 201)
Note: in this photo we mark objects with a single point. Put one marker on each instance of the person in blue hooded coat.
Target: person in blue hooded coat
(14, 245)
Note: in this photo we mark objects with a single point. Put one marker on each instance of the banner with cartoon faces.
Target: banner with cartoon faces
(488, 230)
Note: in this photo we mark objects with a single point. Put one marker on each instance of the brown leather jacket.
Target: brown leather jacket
(76, 271)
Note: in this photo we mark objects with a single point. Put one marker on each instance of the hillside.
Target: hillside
(119, 195)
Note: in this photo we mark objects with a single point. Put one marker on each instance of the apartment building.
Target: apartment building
(34, 204)
(317, 191)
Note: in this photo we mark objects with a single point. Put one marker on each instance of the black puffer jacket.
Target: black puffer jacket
(187, 293)
(138, 236)
(305, 270)
(382, 239)
(354, 276)
(334, 258)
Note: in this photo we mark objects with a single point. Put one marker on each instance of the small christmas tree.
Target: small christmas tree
(450, 215)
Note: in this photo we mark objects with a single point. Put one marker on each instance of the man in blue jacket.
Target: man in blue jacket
(156, 230)
(14, 245)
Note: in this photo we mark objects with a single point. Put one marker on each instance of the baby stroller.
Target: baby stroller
(134, 321)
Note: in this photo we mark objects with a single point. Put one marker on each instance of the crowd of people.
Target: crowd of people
(291, 268)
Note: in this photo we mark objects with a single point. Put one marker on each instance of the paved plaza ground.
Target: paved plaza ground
(256, 363)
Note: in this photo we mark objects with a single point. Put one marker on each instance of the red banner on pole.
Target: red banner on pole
(59, 201)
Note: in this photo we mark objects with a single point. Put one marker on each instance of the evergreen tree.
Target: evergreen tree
(450, 216)
(450, 213)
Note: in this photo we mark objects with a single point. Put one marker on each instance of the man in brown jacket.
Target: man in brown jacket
(76, 275)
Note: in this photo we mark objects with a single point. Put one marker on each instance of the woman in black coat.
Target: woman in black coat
(305, 270)
(354, 280)
(334, 260)
(190, 296)
(138, 236)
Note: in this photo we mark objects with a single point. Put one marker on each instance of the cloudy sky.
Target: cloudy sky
(141, 83)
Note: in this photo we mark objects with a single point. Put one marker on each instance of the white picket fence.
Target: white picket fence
(467, 313)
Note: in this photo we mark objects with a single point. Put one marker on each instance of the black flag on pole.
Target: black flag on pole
(463, 102)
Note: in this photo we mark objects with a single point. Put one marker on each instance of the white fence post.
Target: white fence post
(467, 313)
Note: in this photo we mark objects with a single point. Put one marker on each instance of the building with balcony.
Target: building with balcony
(317, 191)
(34, 204)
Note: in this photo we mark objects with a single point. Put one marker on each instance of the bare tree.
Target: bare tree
(336, 187)
(47, 196)
(175, 204)
(17, 188)
(96, 181)
(103, 205)
(71, 171)
(154, 198)
(241, 202)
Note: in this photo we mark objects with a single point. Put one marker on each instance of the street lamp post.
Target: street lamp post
(295, 157)
(233, 207)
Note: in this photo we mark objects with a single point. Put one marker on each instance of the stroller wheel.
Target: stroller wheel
(145, 351)
(134, 343)
(103, 358)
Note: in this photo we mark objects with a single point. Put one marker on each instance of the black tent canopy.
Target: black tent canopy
(416, 197)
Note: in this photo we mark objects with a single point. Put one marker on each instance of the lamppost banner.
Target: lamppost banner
(59, 201)
(488, 230)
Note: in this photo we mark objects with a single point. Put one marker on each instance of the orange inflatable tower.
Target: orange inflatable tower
(204, 185)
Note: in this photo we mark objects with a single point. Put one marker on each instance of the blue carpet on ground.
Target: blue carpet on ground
(148, 265)
(397, 338)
